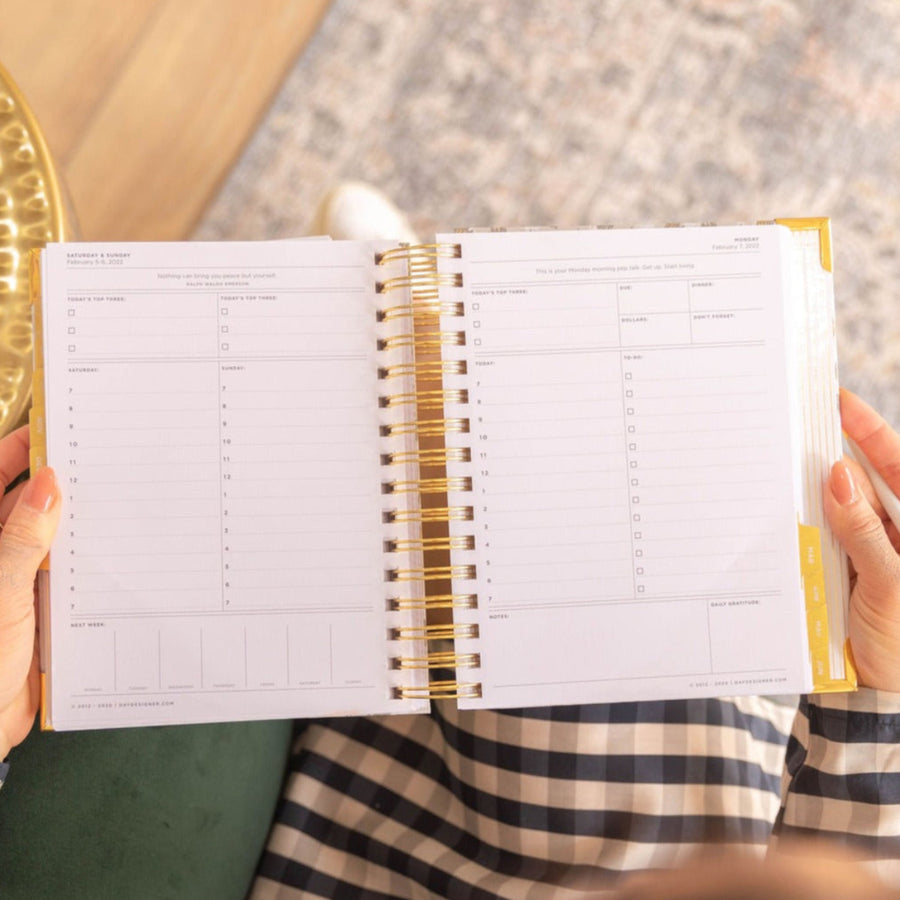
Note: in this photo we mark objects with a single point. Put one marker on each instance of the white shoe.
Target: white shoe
(355, 211)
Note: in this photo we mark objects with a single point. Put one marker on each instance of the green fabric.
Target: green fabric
(145, 813)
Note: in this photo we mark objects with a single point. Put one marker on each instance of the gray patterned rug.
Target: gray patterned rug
(572, 113)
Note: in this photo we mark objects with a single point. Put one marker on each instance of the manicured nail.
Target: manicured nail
(40, 490)
(842, 484)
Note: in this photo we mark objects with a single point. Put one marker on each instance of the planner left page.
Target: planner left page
(212, 415)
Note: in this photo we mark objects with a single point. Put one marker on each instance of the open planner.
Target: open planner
(512, 469)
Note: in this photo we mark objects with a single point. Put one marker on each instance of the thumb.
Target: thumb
(24, 542)
(860, 531)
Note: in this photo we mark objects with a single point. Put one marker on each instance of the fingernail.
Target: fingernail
(842, 484)
(40, 490)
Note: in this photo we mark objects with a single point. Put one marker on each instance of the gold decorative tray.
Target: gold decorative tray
(31, 214)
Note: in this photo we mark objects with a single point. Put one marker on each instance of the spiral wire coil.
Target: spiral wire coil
(422, 308)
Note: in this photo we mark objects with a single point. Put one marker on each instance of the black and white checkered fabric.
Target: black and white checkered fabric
(556, 802)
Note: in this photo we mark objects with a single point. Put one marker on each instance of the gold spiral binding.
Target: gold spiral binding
(438, 659)
(427, 427)
(434, 601)
(428, 485)
(448, 632)
(432, 340)
(425, 283)
(425, 399)
(431, 370)
(449, 542)
(420, 310)
(432, 573)
(431, 514)
(418, 415)
(419, 252)
(440, 690)
(425, 459)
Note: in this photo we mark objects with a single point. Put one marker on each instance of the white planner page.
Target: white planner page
(632, 465)
(213, 418)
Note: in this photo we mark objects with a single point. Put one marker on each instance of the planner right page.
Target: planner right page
(633, 504)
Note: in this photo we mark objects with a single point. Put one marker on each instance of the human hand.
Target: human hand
(871, 540)
(30, 514)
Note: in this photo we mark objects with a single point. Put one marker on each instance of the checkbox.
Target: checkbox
(224, 310)
(634, 482)
(476, 324)
(630, 411)
(633, 464)
(636, 517)
(635, 499)
(639, 571)
(224, 346)
(631, 429)
(71, 348)
(71, 330)
(476, 307)
(628, 376)
(629, 393)
(638, 535)
(638, 552)
(640, 589)
(477, 342)
(224, 329)
(71, 312)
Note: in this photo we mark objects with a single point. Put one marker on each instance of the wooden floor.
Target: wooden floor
(146, 104)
